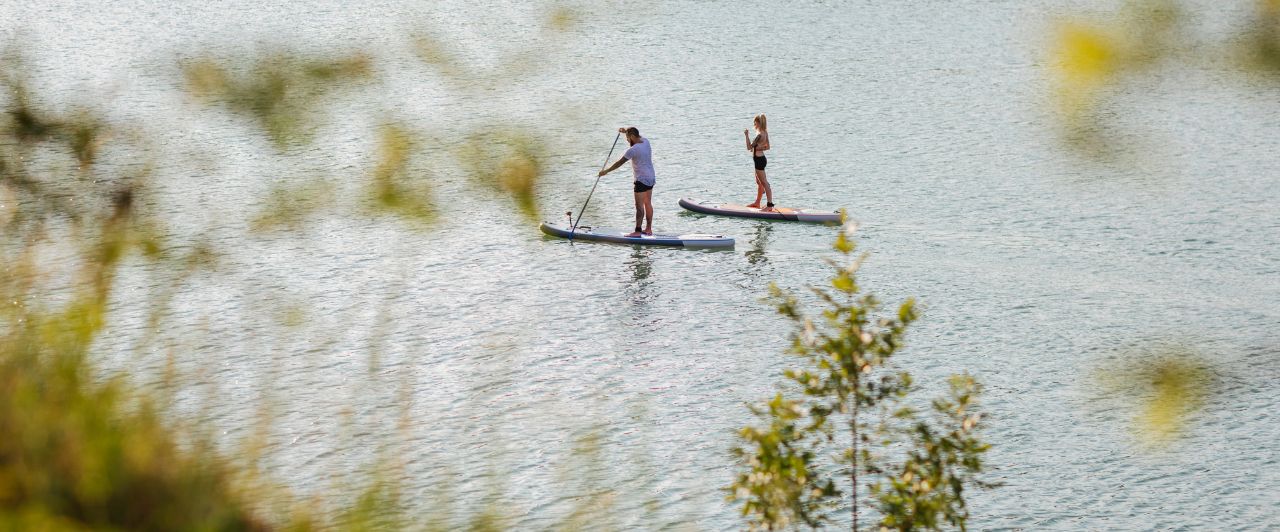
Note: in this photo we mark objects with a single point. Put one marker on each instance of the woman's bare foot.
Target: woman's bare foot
(755, 205)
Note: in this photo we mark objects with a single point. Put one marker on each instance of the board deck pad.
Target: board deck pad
(619, 236)
(743, 211)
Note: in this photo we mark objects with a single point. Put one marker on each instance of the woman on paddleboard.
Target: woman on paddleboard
(756, 147)
(642, 170)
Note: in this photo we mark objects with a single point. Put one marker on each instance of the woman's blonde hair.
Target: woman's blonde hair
(760, 123)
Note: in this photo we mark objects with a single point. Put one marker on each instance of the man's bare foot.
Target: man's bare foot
(649, 231)
(633, 234)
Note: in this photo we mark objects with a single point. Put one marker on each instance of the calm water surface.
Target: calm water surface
(929, 121)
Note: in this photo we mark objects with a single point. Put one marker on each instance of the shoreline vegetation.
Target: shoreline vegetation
(845, 436)
(851, 416)
(106, 453)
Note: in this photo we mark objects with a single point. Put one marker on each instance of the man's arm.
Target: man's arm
(614, 167)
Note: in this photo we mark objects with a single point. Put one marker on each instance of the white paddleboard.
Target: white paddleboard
(619, 236)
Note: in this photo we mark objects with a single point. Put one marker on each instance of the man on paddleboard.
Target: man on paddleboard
(642, 170)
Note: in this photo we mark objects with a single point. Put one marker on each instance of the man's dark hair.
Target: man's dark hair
(633, 132)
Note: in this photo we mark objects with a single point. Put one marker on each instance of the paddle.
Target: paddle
(593, 187)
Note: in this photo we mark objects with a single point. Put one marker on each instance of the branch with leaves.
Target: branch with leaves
(915, 468)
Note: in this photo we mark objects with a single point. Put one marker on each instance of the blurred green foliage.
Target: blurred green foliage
(505, 162)
(280, 91)
(1262, 47)
(536, 47)
(393, 189)
(1094, 59)
(285, 95)
(80, 452)
(915, 467)
(1091, 59)
(1169, 386)
(83, 450)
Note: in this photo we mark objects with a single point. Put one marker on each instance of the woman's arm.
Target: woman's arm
(762, 142)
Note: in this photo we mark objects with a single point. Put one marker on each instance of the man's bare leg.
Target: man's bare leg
(648, 212)
(639, 214)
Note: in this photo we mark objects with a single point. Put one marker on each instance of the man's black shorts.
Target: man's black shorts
(641, 187)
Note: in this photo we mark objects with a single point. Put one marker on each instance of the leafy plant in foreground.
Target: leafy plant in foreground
(915, 465)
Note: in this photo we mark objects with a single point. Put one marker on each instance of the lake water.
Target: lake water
(931, 122)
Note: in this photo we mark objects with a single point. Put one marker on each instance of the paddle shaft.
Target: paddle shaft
(593, 187)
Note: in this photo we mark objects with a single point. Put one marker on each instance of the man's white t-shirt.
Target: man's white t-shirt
(641, 162)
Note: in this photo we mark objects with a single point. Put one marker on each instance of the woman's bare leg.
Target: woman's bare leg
(759, 191)
(763, 183)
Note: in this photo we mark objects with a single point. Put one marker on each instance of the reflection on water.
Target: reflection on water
(641, 266)
(756, 255)
(640, 292)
